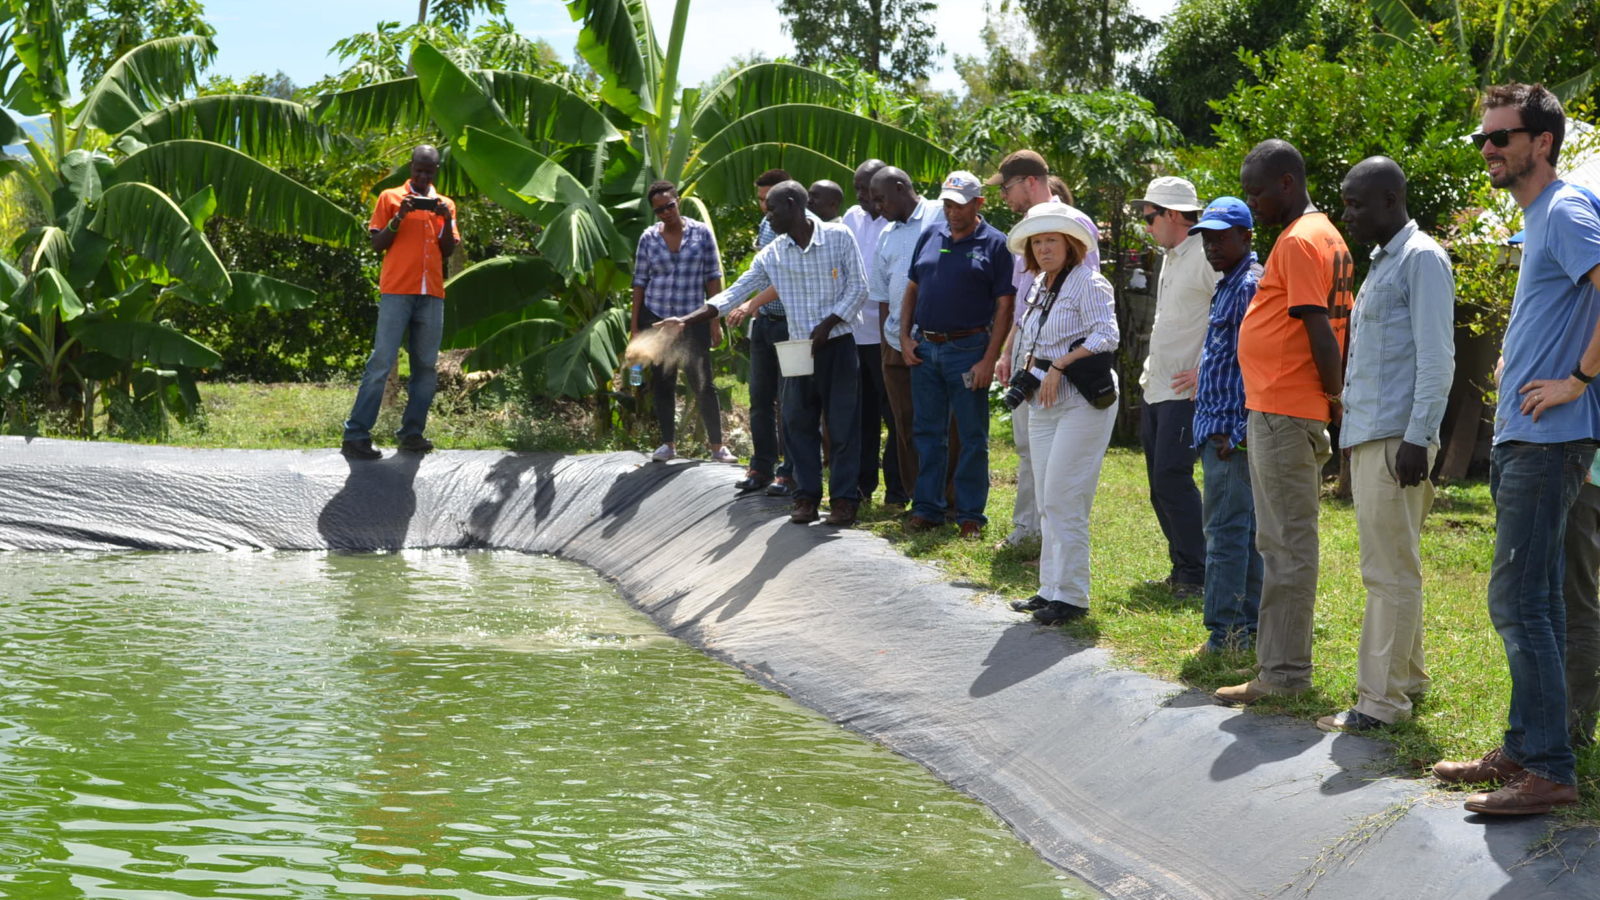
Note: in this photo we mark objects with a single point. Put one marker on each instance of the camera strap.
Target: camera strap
(1046, 304)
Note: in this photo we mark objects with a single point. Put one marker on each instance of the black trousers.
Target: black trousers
(1166, 430)
(690, 354)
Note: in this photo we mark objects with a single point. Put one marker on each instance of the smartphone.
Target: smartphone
(428, 203)
(966, 379)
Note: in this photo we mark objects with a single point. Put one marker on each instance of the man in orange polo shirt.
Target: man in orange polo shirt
(414, 228)
(1291, 355)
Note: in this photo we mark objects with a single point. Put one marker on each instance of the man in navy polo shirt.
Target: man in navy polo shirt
(960, 288)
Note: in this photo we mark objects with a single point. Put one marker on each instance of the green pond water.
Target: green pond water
(432, 724)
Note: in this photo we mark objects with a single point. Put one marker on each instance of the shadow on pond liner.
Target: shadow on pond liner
(1113, 775)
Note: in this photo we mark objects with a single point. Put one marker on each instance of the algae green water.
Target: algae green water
(432, 724)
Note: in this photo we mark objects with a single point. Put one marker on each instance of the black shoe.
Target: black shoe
(1350, 721)
(361, 449)
(1032, 604)
(752, 481)
(780, 487)
(1058, 613)
(416, 443)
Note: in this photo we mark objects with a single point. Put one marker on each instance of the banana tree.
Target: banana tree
(1512, 57)
(126, 179)
(563, 160)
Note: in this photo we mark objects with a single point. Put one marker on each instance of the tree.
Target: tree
(1081, 39)
(1198, 60)
(106, 29)
(889, 38)
(1498, 44)
(455, 13)
(576, 166)
(126, 179)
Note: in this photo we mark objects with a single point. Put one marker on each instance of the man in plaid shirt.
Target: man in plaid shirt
(816, 268)
(675, 269)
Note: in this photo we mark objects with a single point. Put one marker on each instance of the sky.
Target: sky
(294, 35)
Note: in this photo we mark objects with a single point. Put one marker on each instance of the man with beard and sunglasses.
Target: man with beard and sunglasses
(1546, 424)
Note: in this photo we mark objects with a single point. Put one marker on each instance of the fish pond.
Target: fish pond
(433, 724)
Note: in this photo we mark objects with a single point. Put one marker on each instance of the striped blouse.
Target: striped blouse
(1084, 309)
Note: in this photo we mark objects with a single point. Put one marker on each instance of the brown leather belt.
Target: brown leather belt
(940, 337)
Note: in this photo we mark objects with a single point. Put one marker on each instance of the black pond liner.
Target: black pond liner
(1137, 786)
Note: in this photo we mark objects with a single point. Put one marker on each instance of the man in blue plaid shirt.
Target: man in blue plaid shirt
(816, 268)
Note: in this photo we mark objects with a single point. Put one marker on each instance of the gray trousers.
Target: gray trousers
(1582, 549)
(1286, 457)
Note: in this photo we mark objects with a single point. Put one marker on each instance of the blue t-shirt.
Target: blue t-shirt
(958, 282)
(1552, 317)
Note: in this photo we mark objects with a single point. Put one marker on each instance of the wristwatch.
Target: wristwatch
(1577, 372)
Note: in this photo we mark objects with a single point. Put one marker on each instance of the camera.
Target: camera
(428, 203)
(1021, 386)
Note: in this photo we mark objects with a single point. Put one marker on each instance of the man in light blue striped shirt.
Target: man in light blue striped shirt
(1400, 364)
(816, 268)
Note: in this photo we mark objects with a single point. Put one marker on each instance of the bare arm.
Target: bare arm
(1325, 351)
(908, 315)
(983, 372)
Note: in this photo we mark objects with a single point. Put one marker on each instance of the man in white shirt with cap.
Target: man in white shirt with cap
(1170, 207)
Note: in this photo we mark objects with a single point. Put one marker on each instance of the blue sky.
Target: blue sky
(294, 35)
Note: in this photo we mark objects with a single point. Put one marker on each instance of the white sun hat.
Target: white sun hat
(1045, 218)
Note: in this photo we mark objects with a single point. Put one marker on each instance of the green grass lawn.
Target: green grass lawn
(1462, 716)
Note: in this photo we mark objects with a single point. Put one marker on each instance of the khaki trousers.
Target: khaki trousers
(897, 385)
(1389, 524)
(1286, 458)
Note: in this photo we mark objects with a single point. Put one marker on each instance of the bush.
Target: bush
(1410, 106)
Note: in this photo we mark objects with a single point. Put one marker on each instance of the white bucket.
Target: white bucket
(794, 358)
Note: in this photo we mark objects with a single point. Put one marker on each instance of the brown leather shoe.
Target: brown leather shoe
(971, 531)
(917, 523)
(804, 511)
(842, 513)
(1526, 794)
(1246, 694)
(1493, 768)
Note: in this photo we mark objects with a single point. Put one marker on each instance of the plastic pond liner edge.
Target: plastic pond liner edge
(1141, 788)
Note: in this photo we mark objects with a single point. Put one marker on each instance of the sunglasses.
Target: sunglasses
(1004, 188)
(1499, 137)
(1150, 217)
(658, 210)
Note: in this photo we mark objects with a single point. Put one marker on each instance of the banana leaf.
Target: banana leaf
(618, 42)
(259, 126)
(246, 189)
(145, 220)
(146, 342)
(494, 287)
(143, 80)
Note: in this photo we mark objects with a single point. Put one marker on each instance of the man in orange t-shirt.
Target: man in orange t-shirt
(414, 228)
(1291, 354)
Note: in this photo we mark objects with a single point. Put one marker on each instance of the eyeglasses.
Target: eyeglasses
(1499, 137)
(1005, 188)
(1150, 217)
(658, 210)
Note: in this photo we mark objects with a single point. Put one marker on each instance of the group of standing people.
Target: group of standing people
(913, 307)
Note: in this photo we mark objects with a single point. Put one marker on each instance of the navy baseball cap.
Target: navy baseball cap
(1224, 212)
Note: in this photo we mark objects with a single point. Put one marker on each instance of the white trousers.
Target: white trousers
(1068, 443)
(1025, 513)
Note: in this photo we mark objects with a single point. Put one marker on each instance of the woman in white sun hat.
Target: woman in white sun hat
(1068, 333)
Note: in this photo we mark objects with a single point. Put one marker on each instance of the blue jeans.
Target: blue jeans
(1533, 486)
(1233, 566)
(420, 317)
(936, 392)
(833, 390)
(765, 383)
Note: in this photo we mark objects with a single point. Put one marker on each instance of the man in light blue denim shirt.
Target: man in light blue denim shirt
(1399, 368)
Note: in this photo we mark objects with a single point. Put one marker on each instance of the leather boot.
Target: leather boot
(1526, 794)
(804, 511)
(1495, 767)
(842, 513)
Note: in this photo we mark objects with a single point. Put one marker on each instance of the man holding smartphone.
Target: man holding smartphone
(414, 228)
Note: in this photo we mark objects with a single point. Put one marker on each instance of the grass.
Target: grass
(1462, 716)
